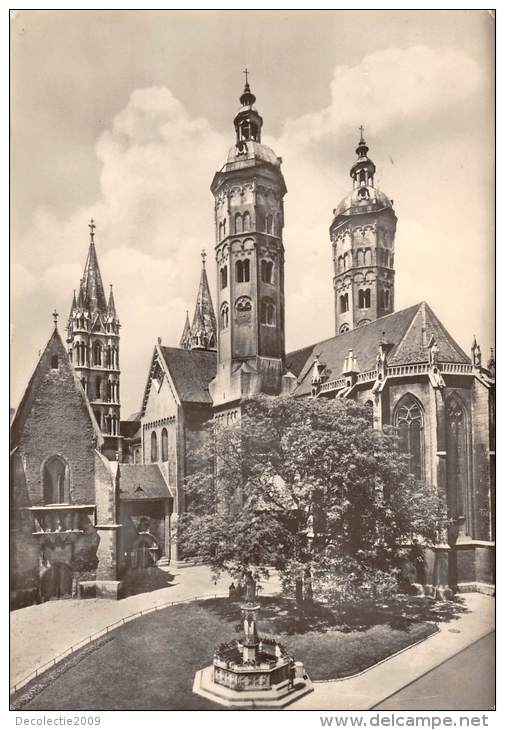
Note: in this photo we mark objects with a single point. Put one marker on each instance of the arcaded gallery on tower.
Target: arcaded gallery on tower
(94, 497)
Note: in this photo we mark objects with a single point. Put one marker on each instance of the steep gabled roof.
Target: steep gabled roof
(142, 481)
(54, 347)
(191, 372)
(409, 331)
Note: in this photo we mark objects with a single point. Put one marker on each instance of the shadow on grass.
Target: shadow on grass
(283, 616)
(145, 581)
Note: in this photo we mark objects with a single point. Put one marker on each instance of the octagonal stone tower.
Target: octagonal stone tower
(363, 235)
(249, 217)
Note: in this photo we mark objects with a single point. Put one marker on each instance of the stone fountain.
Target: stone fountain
(252, 671)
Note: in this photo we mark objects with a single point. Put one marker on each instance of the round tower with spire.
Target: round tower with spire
(93, 348)
(363, 235)
(249, 219)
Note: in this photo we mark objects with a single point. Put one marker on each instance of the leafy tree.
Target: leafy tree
(310, 488)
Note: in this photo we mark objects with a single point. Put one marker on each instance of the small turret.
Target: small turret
(202, 334)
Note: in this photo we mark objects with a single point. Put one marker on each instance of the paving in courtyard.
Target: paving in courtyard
(39, 633)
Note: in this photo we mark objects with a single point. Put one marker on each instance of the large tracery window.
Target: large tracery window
(459, 499)
(410, 424)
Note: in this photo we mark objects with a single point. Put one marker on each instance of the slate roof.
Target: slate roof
(191, 372)
(142, 481)
(54, 346)
(130, 428)
(409, 331)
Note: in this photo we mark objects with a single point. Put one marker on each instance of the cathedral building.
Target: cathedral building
(403, 364)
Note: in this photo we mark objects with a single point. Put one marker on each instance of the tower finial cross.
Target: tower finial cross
(361, 129)
(91, 226)
(55, 318)
(203, 254)
(246, 72)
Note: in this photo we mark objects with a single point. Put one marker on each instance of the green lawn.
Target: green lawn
(149, 664)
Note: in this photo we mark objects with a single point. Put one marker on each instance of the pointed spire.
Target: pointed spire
(203, 330)
(185, 341)
(80, 296)
(491, 364)
(247, 98)
(111, 306)
(73, 307)
(92, 291)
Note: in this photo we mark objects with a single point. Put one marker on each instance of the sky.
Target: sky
(125, 116)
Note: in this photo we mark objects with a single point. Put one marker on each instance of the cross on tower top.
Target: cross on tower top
(361, 129)
(55, 319)
(91, 226)
(203, 254)
(246, 72)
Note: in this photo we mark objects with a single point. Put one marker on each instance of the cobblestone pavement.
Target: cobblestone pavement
(41, 632)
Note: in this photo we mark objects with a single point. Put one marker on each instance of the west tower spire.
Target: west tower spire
(249, 215)
(363, 235)
(93, 347)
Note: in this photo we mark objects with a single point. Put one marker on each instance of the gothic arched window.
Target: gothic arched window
(98, 388)
(164, 445)
(367, 257)
(154, 447)
(458, 461)
(246, 221)
(267, 314)
(225, 315)
(238, 223)
(267, 270)
(269, 221)
(242, 271)
(409, 420)
(56, 481)
(344, 302)
(224, 277)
